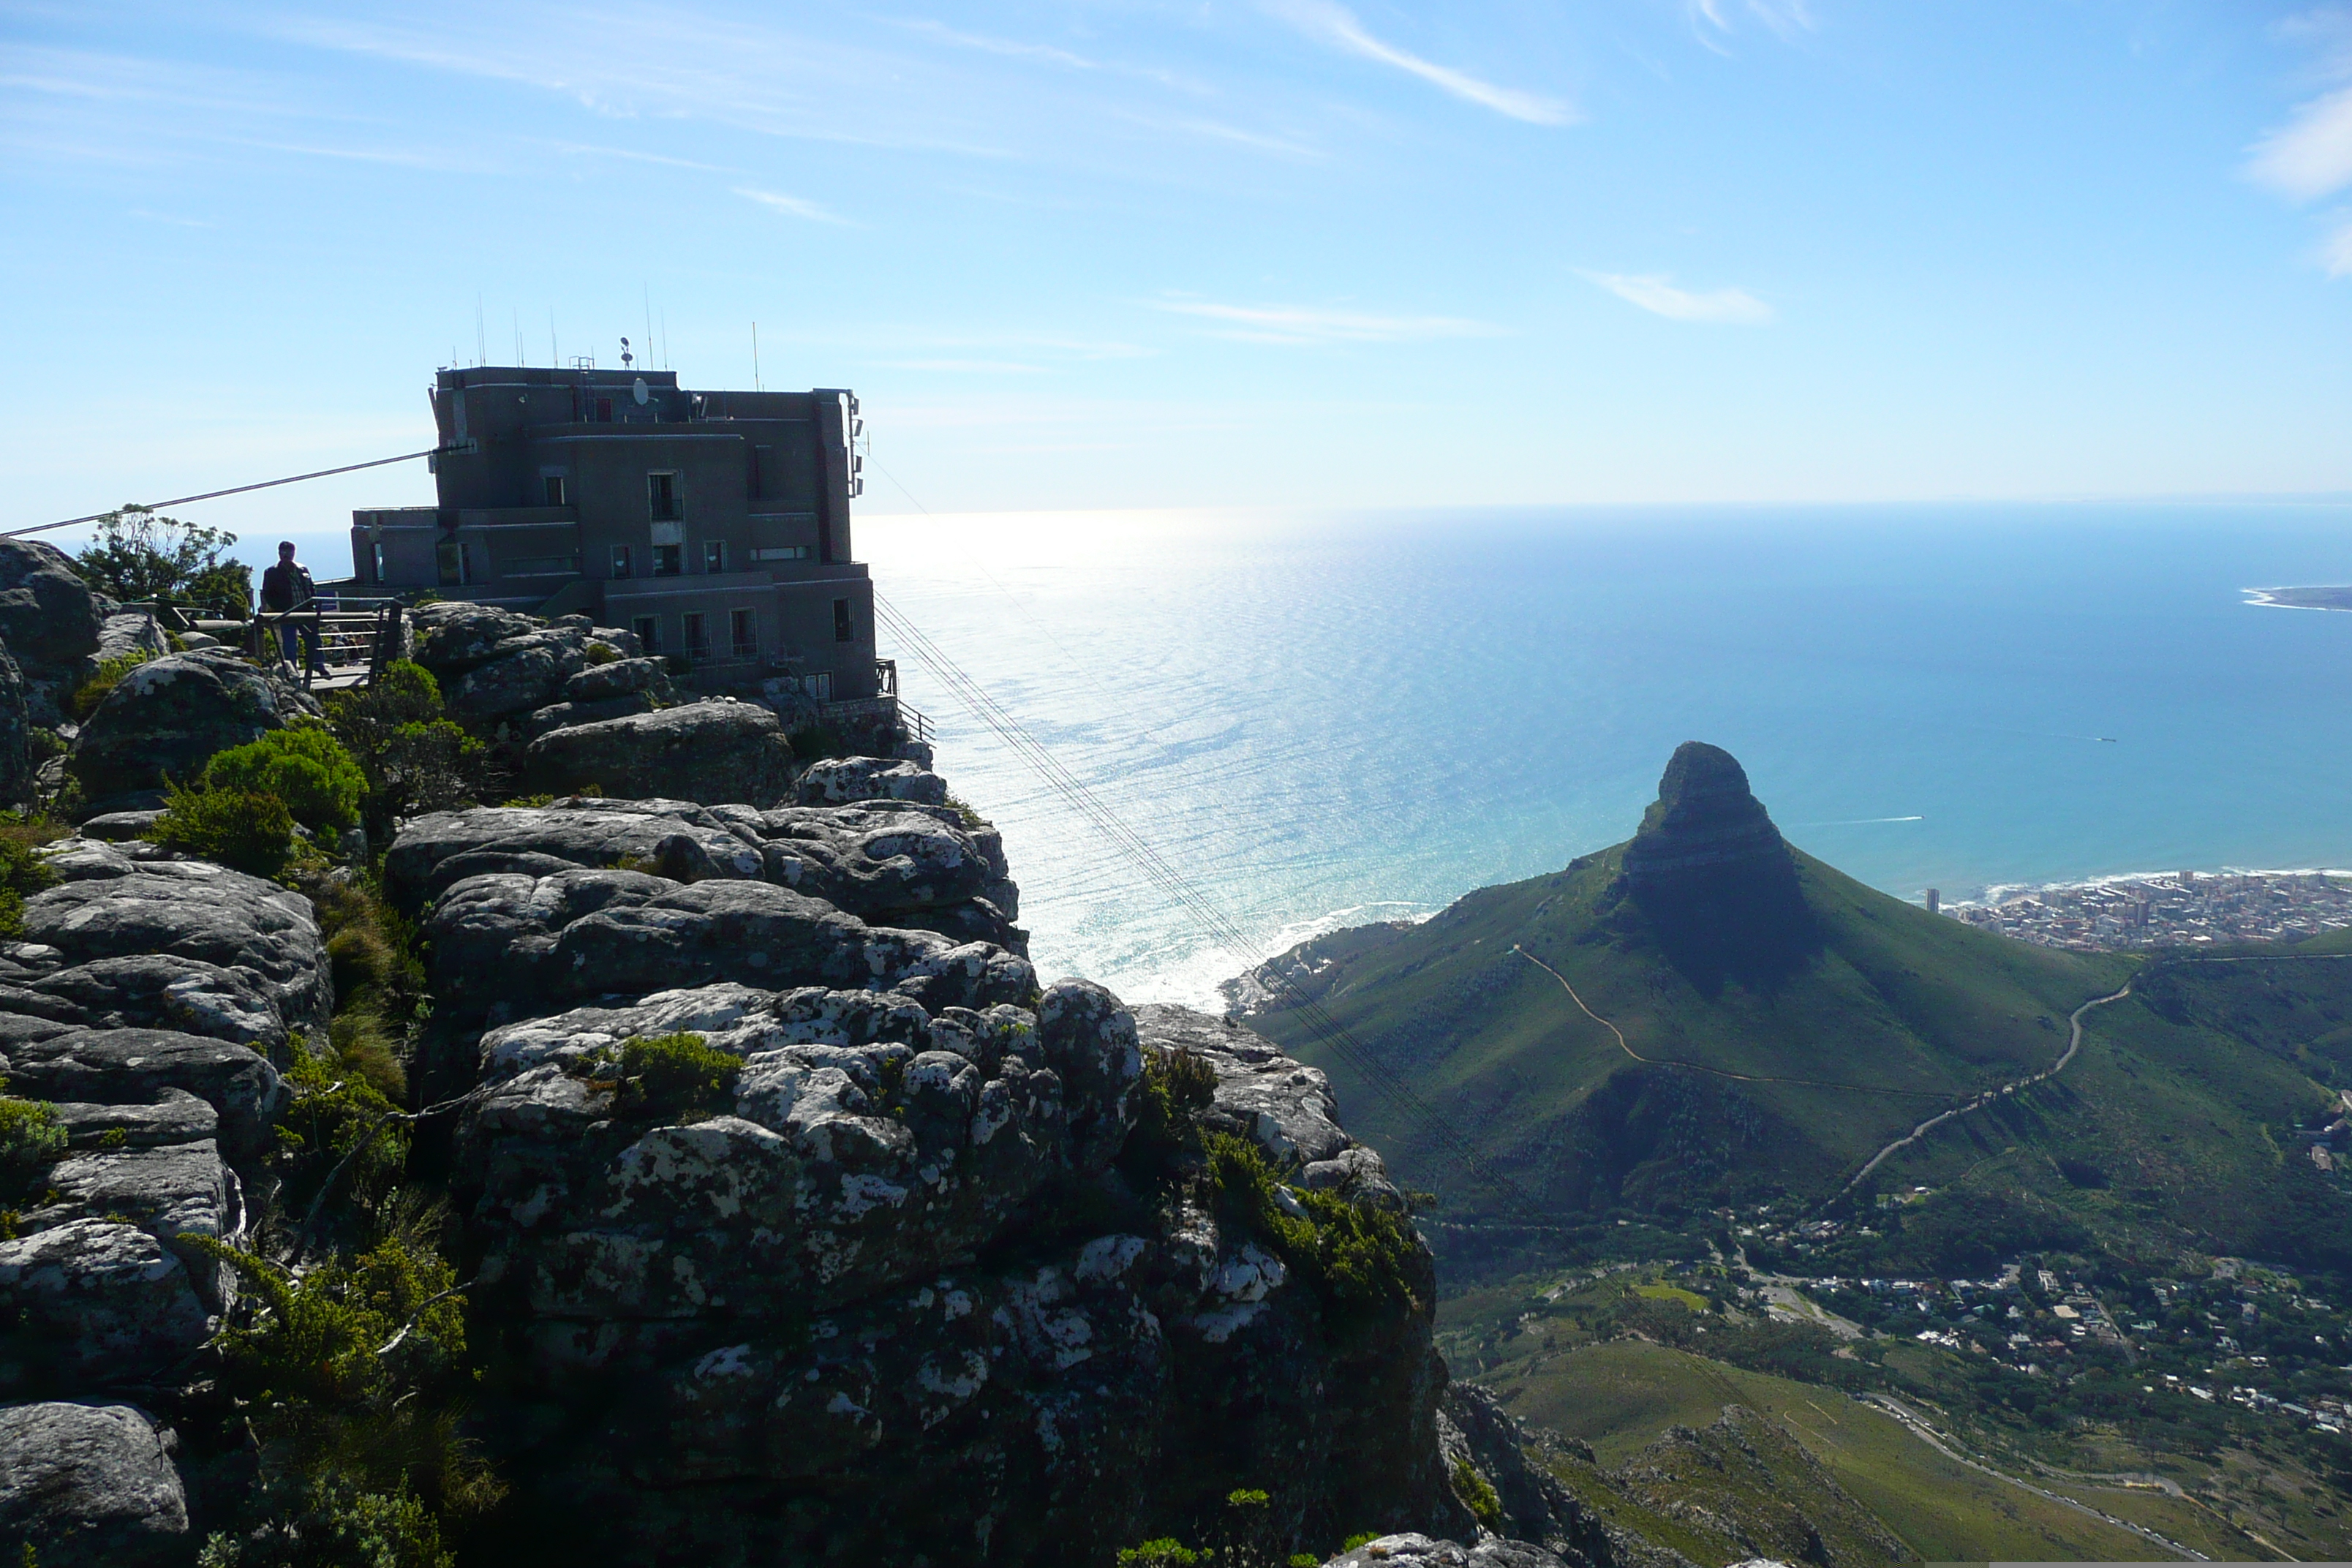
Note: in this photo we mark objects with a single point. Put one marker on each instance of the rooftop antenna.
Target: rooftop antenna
(517, 325)
(627, 358)
(553, 358)
(665, 340)
(755, 358)
(645, 295)
(481, 342)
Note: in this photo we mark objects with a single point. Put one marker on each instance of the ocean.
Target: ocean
(1325, 719)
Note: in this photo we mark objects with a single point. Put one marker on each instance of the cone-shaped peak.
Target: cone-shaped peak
(1704, 816)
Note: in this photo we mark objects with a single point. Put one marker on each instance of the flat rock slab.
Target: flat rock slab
(1421, 1551)
(841, 781)
(136, 1066)
(93, 1301)
(444, 847)
(88, 1485)
(716, 751)
(115, 908)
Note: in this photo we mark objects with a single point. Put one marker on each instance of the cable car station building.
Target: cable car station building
(713, 525)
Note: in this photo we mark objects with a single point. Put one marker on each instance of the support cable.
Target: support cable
(239, 489)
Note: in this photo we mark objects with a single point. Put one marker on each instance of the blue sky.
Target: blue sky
(1219, 253)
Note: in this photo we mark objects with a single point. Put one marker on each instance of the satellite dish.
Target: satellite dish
(637, 390)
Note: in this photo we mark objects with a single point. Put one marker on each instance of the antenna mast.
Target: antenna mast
(755, 358)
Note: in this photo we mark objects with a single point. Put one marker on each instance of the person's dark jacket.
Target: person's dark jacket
(287, 587)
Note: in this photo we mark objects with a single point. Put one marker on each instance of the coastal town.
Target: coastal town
(2172, 910)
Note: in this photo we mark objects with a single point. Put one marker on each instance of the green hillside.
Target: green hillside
(1795, 1022)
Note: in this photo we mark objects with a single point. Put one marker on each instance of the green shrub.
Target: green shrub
(351, 1378)
(109, 675)
(1163, 1150)
(22, 872)
(1164, 1553)
(1359, 1261)
(44, 744)
(601, 653)
(30, 1138)
(1361, 1538)
(302, 765)
(1477, 1495)
(965, 814)
(412, 757)
(664, 1075)
(339, 1105)
(331, 1524)
(244, 832)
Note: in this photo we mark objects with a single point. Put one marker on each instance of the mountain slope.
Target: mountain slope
(1794, 1023)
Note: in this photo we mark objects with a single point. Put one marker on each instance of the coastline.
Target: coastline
(2314, 596)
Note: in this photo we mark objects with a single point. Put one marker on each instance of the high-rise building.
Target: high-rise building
(713, 525)
(1935, 901)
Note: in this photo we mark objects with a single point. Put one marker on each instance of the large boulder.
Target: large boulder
(49, 621)
(522, 674)
(713, 751)
(621, 678)
(1413, 1549)
(90, 1302)
(453, 636)
(677, 838)
(115, 907)
(167, 717)
(16, 723)
(138, 1066)
(126, 634)
(89, 1485)
(839, 781)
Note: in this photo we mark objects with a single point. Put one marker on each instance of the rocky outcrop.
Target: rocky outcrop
(714, 751)
(126, 634)
(1705, 823)
(16, 738)
(50, 622)
(839, 781)
(1410, 1551)
(496, 666)
(89, 1485)
(1476, 1430)
(167, 717)
(1714, 879)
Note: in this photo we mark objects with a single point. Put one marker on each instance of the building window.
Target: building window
(539, 566)
(697, 636)
(661, 497)
(377, 557)
(555, 489)
(743, 631)
(649, 630)
(714, 556)
(455, 562)
(669, 560)
(841, 632)
(783, 553)
(620, 563)
(819, 686)
(603, 411)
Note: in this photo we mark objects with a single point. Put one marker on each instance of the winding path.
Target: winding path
(2073, 1045)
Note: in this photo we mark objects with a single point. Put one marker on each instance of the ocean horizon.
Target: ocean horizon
(1321, 718)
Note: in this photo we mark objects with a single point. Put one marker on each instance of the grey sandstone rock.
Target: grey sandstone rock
(113, 907)
(712, 751)
(840, 780)
(158, 991)
(522, 673)
(92, 1303)
(89, 1485)
(621, 678)
(15, 722)
(431, 852)
(168, 716)
(875, 861)
(172, 1192)
(176, 1117)
(126, 633)
(49, 622)
(119, 826)
(567, 714)
(136, 1066)
(1474, 1428)
(454, 636)
(1414, 1551)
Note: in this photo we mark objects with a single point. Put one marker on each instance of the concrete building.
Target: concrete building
(714, 524)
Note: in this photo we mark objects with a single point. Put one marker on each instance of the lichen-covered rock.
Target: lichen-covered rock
(566, 715)
(621, 678)
(126, 634)
(155, 991)
(171, 1191)
(435, 851)
(15, 726)
(454, 636)
(841, 781)
(712, 751)
(89, 1485)
(113, 907)
(92, 1302)
(49, 622)
(1414, 1551)
(522, 673)
(168, 716)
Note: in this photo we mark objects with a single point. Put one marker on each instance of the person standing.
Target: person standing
(288, 586)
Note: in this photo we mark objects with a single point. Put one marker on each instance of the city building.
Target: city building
(713, 525)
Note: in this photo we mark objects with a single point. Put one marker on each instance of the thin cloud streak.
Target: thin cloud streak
(1300, 326)
(2312, 155)
(792, 206)
(1656, 292)
(1335, 25)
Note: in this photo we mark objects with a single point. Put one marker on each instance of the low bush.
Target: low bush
(244, 831)
(102, 680)
(302, 765)
(1477, 1495)
(44, 744)
(340, 1110)
(22, 872)
(664, 1075)
(30, 1138)
(1163, 1150)
(412, 757)
(1359, 1261)
(352, 1380)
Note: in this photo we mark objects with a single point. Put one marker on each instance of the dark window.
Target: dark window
(714, 556)
(620, 565)
(743, 628)
(555, 489)
(603, 411)
(661, 497)
(375, 553)
(649, 630)
(841, 632)
(455, 562)
(783, 553)
(669, 560)
(698, 635)
(763, 458)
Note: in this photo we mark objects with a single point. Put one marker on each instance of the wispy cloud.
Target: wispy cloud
(792, 206)
(1713, 19)
(2310, 156)
(1656, 292)
(1335, 25)
(1298, 325)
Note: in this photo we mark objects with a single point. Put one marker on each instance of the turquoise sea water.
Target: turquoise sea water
(1322, 720)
